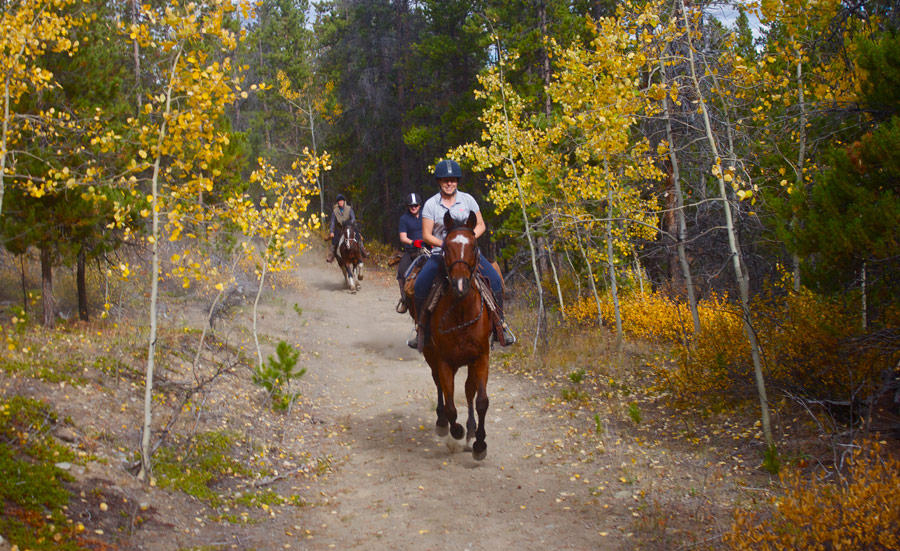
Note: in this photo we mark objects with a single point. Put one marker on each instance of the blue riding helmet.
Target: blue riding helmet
(413, 199)
(447, 168)
(340, 197)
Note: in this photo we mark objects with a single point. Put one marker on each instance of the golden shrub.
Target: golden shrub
(809, 345)
(858, 510)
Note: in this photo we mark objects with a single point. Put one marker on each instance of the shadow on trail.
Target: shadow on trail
(336, 284)
(388, 342)
(403, 445)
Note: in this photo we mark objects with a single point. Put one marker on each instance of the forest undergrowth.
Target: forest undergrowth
(670, 420)
(834, 411)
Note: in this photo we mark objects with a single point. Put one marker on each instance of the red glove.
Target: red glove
(418, 243)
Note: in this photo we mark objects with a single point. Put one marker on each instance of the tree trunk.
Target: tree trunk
(47, 286)
(559, 295)
(801, 162)
(740, 276)
(3, 140)
(83, 313)
(320, 175)
(545, 57)
(639, 272)
(136, 51)
(587, 262)
(679, 212)
(613, 285)
(531, 247)
(146, 429)
(24, 287)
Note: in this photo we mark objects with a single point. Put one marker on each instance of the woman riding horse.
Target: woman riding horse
(461, 328)
(449, 200)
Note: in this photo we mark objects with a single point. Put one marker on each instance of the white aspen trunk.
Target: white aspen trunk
(562, 305)
(574, 272)
(3, 139)
(262, 282)
(613, 285)
(801, 162)
(531, 248)
(320, 176)
(136, 51)
(587, 262)
(742, 280)
(679, 214)
(638, 270)
(146, 452)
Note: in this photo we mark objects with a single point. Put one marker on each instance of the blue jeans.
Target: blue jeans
(434, 265)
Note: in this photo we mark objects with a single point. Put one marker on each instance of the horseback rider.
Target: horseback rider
(410, 228)
(341, 215)
(459, 204)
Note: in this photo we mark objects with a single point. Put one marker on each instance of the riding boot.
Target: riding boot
(402, 306)
(508, 337)
(420, 318)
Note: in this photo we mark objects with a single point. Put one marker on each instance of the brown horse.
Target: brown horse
(349, 256)
(460, 335)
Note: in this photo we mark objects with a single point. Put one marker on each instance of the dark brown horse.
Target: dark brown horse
(460, 335)
(349, 256)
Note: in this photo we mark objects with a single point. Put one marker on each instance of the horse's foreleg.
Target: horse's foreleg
(480, 375)
(470, 419)
(442, 426)
(446, 373)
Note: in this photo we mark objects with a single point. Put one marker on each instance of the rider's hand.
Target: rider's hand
(417, 243)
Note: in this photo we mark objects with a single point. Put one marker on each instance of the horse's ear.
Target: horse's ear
(449, 221)
(472, 220)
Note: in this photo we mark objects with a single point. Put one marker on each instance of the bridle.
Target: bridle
(472, 268)
(351, 238)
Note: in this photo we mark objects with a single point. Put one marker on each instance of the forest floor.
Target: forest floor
(575, 462)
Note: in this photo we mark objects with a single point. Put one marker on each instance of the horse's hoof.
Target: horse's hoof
(457, 432)
(479, 451)
(441, 431)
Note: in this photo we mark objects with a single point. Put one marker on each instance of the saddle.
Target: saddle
(439, 287)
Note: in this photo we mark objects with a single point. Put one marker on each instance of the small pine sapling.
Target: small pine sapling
(276, 376)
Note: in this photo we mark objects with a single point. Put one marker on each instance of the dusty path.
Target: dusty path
(394, 486)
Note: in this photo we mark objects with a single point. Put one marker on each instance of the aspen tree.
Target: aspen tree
(722, 174)
(180, 144)
(28, 30)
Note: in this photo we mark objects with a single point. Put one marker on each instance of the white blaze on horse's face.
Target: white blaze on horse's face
(463, 241)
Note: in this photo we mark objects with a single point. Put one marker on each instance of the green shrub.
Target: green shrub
(276, 376)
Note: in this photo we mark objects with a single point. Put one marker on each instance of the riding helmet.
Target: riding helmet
(447, 168)
(341, 197)
(413, 199)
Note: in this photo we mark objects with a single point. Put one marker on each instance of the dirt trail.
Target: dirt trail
(394, 485)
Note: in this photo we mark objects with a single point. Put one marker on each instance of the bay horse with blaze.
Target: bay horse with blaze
(349, 256)
(460, 327)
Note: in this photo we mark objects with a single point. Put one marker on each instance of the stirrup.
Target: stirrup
(508, 336)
